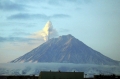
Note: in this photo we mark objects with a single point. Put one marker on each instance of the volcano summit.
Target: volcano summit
(65, 49)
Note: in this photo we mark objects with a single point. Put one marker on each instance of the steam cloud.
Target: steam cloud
(47, 33)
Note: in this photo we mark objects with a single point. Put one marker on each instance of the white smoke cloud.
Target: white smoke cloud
(46, 33)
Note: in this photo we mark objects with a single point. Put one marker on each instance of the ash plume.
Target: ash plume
(46, 33)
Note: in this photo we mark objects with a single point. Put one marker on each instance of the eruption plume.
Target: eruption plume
(48, 29)
(47, 32)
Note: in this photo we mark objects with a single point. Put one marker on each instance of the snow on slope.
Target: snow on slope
(67, 49)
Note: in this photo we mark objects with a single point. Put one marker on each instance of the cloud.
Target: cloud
(77, 1)
(87, 1)
(60, 16)
(24, 16)
(41, 36)
(46, 33)
(19, 24)
(28, 16)
(8, 5)
(2, 39)
(54, 2)
(20, 36)
(20, 33)
(16, 39)
(18, 5)
(62, 2)
(29, 1)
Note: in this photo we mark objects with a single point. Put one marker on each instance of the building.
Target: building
(61, 75)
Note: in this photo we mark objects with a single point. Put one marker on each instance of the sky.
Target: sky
(94, 22)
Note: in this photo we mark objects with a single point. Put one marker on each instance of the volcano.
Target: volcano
(65, 49)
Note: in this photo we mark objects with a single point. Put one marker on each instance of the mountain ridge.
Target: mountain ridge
(65, 49)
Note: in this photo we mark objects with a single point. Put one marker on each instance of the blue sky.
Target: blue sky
(94, 22)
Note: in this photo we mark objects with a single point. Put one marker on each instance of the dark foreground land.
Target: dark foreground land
(24, 77)
(19, 77)
(37, 77)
